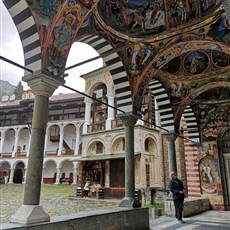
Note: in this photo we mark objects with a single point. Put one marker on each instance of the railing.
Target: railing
(101, 126)
(6, 155)
(21, 154)
(117, 123)
(51, 153)
(63, 152)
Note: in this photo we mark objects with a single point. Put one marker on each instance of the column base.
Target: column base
(30, 214)
(130, 202)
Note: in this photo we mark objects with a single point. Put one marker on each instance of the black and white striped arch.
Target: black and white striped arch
(116, 68)
(191, 122)
(26, 26)
(164, 105)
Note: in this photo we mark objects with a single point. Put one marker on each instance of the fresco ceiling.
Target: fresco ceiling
(182, 43)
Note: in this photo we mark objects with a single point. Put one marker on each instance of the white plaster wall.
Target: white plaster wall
(67, 168)
(70, 135)
(9, 141)
(49, 170)
(23, 139)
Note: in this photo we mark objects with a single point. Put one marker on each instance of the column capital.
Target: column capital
(43, 84)
(171, 136)
(128, 119)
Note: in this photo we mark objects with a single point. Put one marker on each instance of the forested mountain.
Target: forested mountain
(6, 88)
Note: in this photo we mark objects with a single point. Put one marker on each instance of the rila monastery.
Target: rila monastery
(159, 105)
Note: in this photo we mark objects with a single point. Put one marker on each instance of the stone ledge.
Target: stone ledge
(113, 219)
(192, 206)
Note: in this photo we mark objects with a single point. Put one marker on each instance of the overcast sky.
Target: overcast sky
(11, 48)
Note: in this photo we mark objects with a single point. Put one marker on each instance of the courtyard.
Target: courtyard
(56, 200)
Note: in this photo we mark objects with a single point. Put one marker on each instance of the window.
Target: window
(99, 148)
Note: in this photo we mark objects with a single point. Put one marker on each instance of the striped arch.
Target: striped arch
(164, 105)
(27, 29)
(191, 122)
(116, 68)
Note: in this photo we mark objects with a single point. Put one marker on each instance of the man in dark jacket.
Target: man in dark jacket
(177, 188)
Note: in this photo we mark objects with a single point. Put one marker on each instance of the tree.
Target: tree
(18, 91)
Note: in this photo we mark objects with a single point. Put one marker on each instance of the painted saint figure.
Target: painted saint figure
(62, 39)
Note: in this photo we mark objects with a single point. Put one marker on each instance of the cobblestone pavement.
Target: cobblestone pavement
(55, 199)
(61, 200)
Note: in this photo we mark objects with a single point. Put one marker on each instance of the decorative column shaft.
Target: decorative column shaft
(110, 115)
(3, 136)
(46, 140)
(87, 116)
(78, 134)
(171, 137)
(75, 169)
(28, 150)
(11, 176)
(129, 199)
(15, 144)
(42, 87)
(58, 176)
(61, 141)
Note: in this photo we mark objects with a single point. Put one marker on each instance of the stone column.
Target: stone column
(11, 176)
(87, 115)
(3, 136)
(110, 115)
(58, 176)
(46, 139)
(15, 144)
(43, 169)
(78, 134)
(171, 137)
(24, 177)
(129, 199)
(75, 169)
(42, 87)
(28, 150)
(61, 140)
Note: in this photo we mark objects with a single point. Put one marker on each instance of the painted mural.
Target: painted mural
(214, 116)
(209, 168)
(196, 62)
(143, 17)
(225, 141)
(220, 59)
(138, 57)
(220, 30)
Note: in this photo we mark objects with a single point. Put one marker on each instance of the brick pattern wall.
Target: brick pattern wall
(191, 162)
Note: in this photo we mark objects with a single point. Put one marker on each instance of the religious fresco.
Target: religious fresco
(225, 141)
(144, 17)
(177, 92)
(88, 3)
(138, 56)
(220, 59)
(212, 117)
(173, 66)
(62, 37)
(196, 62)
(210, 175)
(209, 168)
(45, 7)
(220, 30)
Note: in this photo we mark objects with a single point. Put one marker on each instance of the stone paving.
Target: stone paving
(55, 199)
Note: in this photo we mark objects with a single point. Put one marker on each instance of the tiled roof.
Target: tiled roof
(9, 103)
(58, 97)
(65, 96)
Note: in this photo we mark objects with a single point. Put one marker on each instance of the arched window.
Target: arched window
(99, 148)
